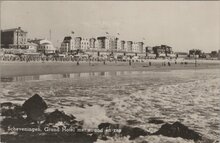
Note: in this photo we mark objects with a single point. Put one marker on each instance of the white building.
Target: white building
(44, 46)
(121, 45)
(67, 45)
(85, 44)
(92, 43)
(47, 47)
(32, 47)
(129, 46)
(108, 43)
(138, 47)
(135, 47)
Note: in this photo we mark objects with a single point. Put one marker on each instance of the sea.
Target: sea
(191, 97)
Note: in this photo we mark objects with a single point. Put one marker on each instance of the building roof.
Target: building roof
(67, 38)
(45, 41)
(102, 37)
(78, 38)
(13, 29)
(130, 41)
(37, 41)
(40, 41)
(141, 42)
(31, 44)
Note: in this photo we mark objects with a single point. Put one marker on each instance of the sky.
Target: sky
(182, 25)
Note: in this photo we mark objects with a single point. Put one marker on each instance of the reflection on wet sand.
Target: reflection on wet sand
(67, 75)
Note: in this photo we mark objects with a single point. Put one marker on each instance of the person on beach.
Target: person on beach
(149, 63)
(77, 63)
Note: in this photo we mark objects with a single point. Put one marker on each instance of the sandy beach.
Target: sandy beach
(38, 68)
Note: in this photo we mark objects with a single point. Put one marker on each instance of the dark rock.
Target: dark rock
(10, 110)
(178, 130)
(125, 130)
(34, 108)
(133, 122)
(34, 102)
(133, 132)
(144, 142)
(12, 122)
(6, 105)
(15, 112)
(107, 125)
(104, 138)
(57, 116)
(155, 121)
(48, 138)
(13, 116)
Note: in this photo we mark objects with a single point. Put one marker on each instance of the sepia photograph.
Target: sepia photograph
(110, 71)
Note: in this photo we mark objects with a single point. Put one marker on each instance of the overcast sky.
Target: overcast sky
(182, 25)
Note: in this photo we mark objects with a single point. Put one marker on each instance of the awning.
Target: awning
(171, 55)
(151, 55)
(130, 54)
(31, 53)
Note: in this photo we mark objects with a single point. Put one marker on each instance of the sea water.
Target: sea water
(189, 96)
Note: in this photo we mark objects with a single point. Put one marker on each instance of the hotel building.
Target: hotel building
(92, 43)
(77, 43)
(104, 45)
(129, 46)
(44, 46)
(14, 38)
(67, 45)
(85, 44)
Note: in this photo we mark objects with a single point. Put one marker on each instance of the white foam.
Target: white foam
(91, 115)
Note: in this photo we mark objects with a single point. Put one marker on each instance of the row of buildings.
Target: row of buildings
(16, 38)
(103, 45)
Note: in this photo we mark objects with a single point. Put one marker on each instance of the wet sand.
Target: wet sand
(39, 68)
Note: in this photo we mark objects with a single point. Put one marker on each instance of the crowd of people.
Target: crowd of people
(37, 57)
(42, 57)
(78, 60)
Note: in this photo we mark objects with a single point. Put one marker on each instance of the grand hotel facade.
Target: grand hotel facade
(103, 45)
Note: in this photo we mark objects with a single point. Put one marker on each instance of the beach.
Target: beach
(16, 68)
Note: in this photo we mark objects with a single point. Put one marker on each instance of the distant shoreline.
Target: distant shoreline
(39, 68)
